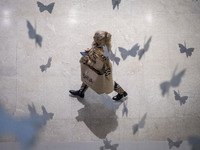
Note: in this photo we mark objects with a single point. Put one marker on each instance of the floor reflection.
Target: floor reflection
(25, 129)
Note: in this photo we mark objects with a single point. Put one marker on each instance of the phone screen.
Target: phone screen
(84, 53)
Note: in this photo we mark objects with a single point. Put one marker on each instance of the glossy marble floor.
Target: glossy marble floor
(155, 56)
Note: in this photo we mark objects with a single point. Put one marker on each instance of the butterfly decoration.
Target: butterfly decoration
(182, 99)
(187, 51)
(116, 3)
(33, 34)
(171, 143)
(108, 145)
(48, 65)
(132, 52)
(139, 125)
(174, 82)
(25, 129)
(43, 7)
(141, 52)
(125, 109)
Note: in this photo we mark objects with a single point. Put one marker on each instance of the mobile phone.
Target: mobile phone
(84, 53)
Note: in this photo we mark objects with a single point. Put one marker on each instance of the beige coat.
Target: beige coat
(97, 72)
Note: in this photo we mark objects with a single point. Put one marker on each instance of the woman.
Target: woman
(99, 62)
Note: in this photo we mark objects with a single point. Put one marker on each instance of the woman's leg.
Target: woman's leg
(81, 91)
(120, 91)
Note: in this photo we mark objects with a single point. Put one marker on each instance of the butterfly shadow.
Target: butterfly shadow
(24, 129)
(111, 55)
(171, 143)
(33, 34)
(116, 3)
(108, 145)
(142, 51)
(178, 97)
(43, 7)
(114, 58)
(48, 65)
(125, 109)
(139, 125)
(187, 51)
(132, 52)
(173, 82)
(100, 118)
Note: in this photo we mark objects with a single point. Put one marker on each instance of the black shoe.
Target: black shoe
(120, 96)
(77, 93)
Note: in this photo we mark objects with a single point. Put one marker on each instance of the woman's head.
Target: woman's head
(103, 38)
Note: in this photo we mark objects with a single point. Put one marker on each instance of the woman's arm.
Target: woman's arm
(98, 65)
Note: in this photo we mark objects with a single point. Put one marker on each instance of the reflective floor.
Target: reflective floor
(155, 57)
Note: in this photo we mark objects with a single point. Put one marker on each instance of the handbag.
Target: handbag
(96, 81)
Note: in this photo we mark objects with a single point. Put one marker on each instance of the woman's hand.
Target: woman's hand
(87, 50)
(84, 59)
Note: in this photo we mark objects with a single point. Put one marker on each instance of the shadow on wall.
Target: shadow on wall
(43, 7)
(187, 51)
(145, 49)
(125, 109)
(33, 34)
(100, 118)
(132, 52)
(135, 50)
(174, 82)
(114, 58)
(108, 145)
(139, 125)
(171, 143)
(25, 130)
(48, 65)
(181, 99)
(194, 141)
(116, 3)
(111, 55)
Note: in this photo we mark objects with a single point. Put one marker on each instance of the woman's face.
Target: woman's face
(96, 40)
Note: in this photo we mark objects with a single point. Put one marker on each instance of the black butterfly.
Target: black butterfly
(174, 82)
(114, 58)
(179, 98)
(132, 52)
(140, 124)
(187, 51)
(116, 3)
(145, 49)
(171, 143)
(43, 7)
(48, 65)
(33, 35)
